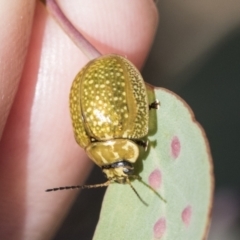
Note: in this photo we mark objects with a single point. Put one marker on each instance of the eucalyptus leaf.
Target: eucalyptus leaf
(178, 166)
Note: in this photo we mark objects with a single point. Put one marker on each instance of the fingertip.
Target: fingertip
(16, 23)
(123, 27)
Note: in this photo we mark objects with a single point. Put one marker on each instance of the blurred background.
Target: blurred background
(196, 54)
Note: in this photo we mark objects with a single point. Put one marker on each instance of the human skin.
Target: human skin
(37, 148)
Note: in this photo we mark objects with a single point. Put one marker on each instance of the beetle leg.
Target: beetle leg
(142, 143)
(154, 105)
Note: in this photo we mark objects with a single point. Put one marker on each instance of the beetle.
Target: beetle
(110, 116)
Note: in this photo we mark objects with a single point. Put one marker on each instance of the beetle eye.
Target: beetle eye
(128, 171)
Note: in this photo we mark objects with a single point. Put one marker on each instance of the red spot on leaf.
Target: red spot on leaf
(186, 215)
(155, 179)
(159, 228)
(175, 147)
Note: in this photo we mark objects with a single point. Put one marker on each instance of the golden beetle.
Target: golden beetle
(110, 114)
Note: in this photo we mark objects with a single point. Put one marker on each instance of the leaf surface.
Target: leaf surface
(178, 166)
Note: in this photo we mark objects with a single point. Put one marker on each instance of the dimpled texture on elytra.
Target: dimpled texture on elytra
(108, 100)
(76, 115)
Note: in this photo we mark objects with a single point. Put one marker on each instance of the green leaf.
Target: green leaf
(178, 165)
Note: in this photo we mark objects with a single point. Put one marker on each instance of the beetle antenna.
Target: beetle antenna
(79, 187)
(151, 188)
(136, 193)
(147, 185)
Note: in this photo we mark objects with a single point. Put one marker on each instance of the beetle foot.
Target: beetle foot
(142, 143)
(154, 105)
